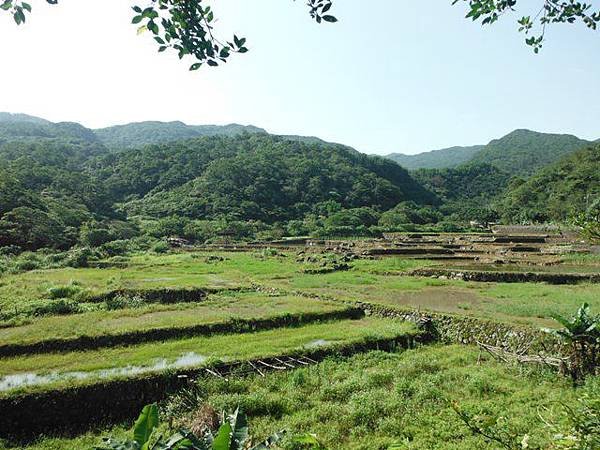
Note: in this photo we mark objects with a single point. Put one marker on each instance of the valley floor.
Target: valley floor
(67, 329)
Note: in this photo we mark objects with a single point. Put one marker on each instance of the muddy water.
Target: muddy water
(31, 378)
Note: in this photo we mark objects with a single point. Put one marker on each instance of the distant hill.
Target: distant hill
(21, 127)
(253, 177)
(58, 179)
(436, 159)
(523, 152)
(142, 133)
(13, 118)
(556, 192)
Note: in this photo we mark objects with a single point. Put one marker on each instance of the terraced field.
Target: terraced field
(190, 352)
(232, 312)
(137, 328)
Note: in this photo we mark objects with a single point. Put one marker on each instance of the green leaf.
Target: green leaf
(330, 19)
(146, 423)
(223, 439)
(239, 428)
(270, 441)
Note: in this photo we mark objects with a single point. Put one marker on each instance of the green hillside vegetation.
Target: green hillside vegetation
(436, 159)
(143, 133)
(557, 192)
(266, 178)
(31, 131)
(46, 191)
(61, 186)
(7, 117)
(467, 191)
(523, 152)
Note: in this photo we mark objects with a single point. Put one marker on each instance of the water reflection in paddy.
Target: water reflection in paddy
(30, 378)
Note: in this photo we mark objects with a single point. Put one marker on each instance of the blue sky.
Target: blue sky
(390, 76)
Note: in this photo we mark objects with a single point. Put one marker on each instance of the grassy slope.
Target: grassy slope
(225, 347)
(372, 400)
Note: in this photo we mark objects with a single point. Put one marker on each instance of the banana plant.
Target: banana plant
(232, 435)
(583, 326)
(582, 333)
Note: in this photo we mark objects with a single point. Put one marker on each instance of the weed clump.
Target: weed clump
(124, 301)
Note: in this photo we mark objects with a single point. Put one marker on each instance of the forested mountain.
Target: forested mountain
(467, 191)
(46, 192)
(60, 185)
(143, 133)
(22, 128)
(253, 177)
(16, 118)
(523, 152)
(436, 159)
(563, 189)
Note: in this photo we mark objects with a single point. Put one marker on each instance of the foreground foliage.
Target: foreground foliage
(582, 333)
(376, 400)
(231, 435)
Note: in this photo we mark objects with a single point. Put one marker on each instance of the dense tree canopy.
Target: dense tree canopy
(467, 191)
(60, 185)
(558, 192)
(524, 152)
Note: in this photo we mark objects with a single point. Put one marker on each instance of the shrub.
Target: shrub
(94, 234)
(161, 247)
(10, 250)
(79, 257)
(116, 248)
(26, 264)
(65, 291)
(57, 307)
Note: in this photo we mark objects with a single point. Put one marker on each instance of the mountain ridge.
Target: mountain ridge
(521, 152)
(451, 157)
(138, 134)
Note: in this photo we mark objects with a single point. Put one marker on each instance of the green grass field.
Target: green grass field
(373, 400)
(367, 401)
